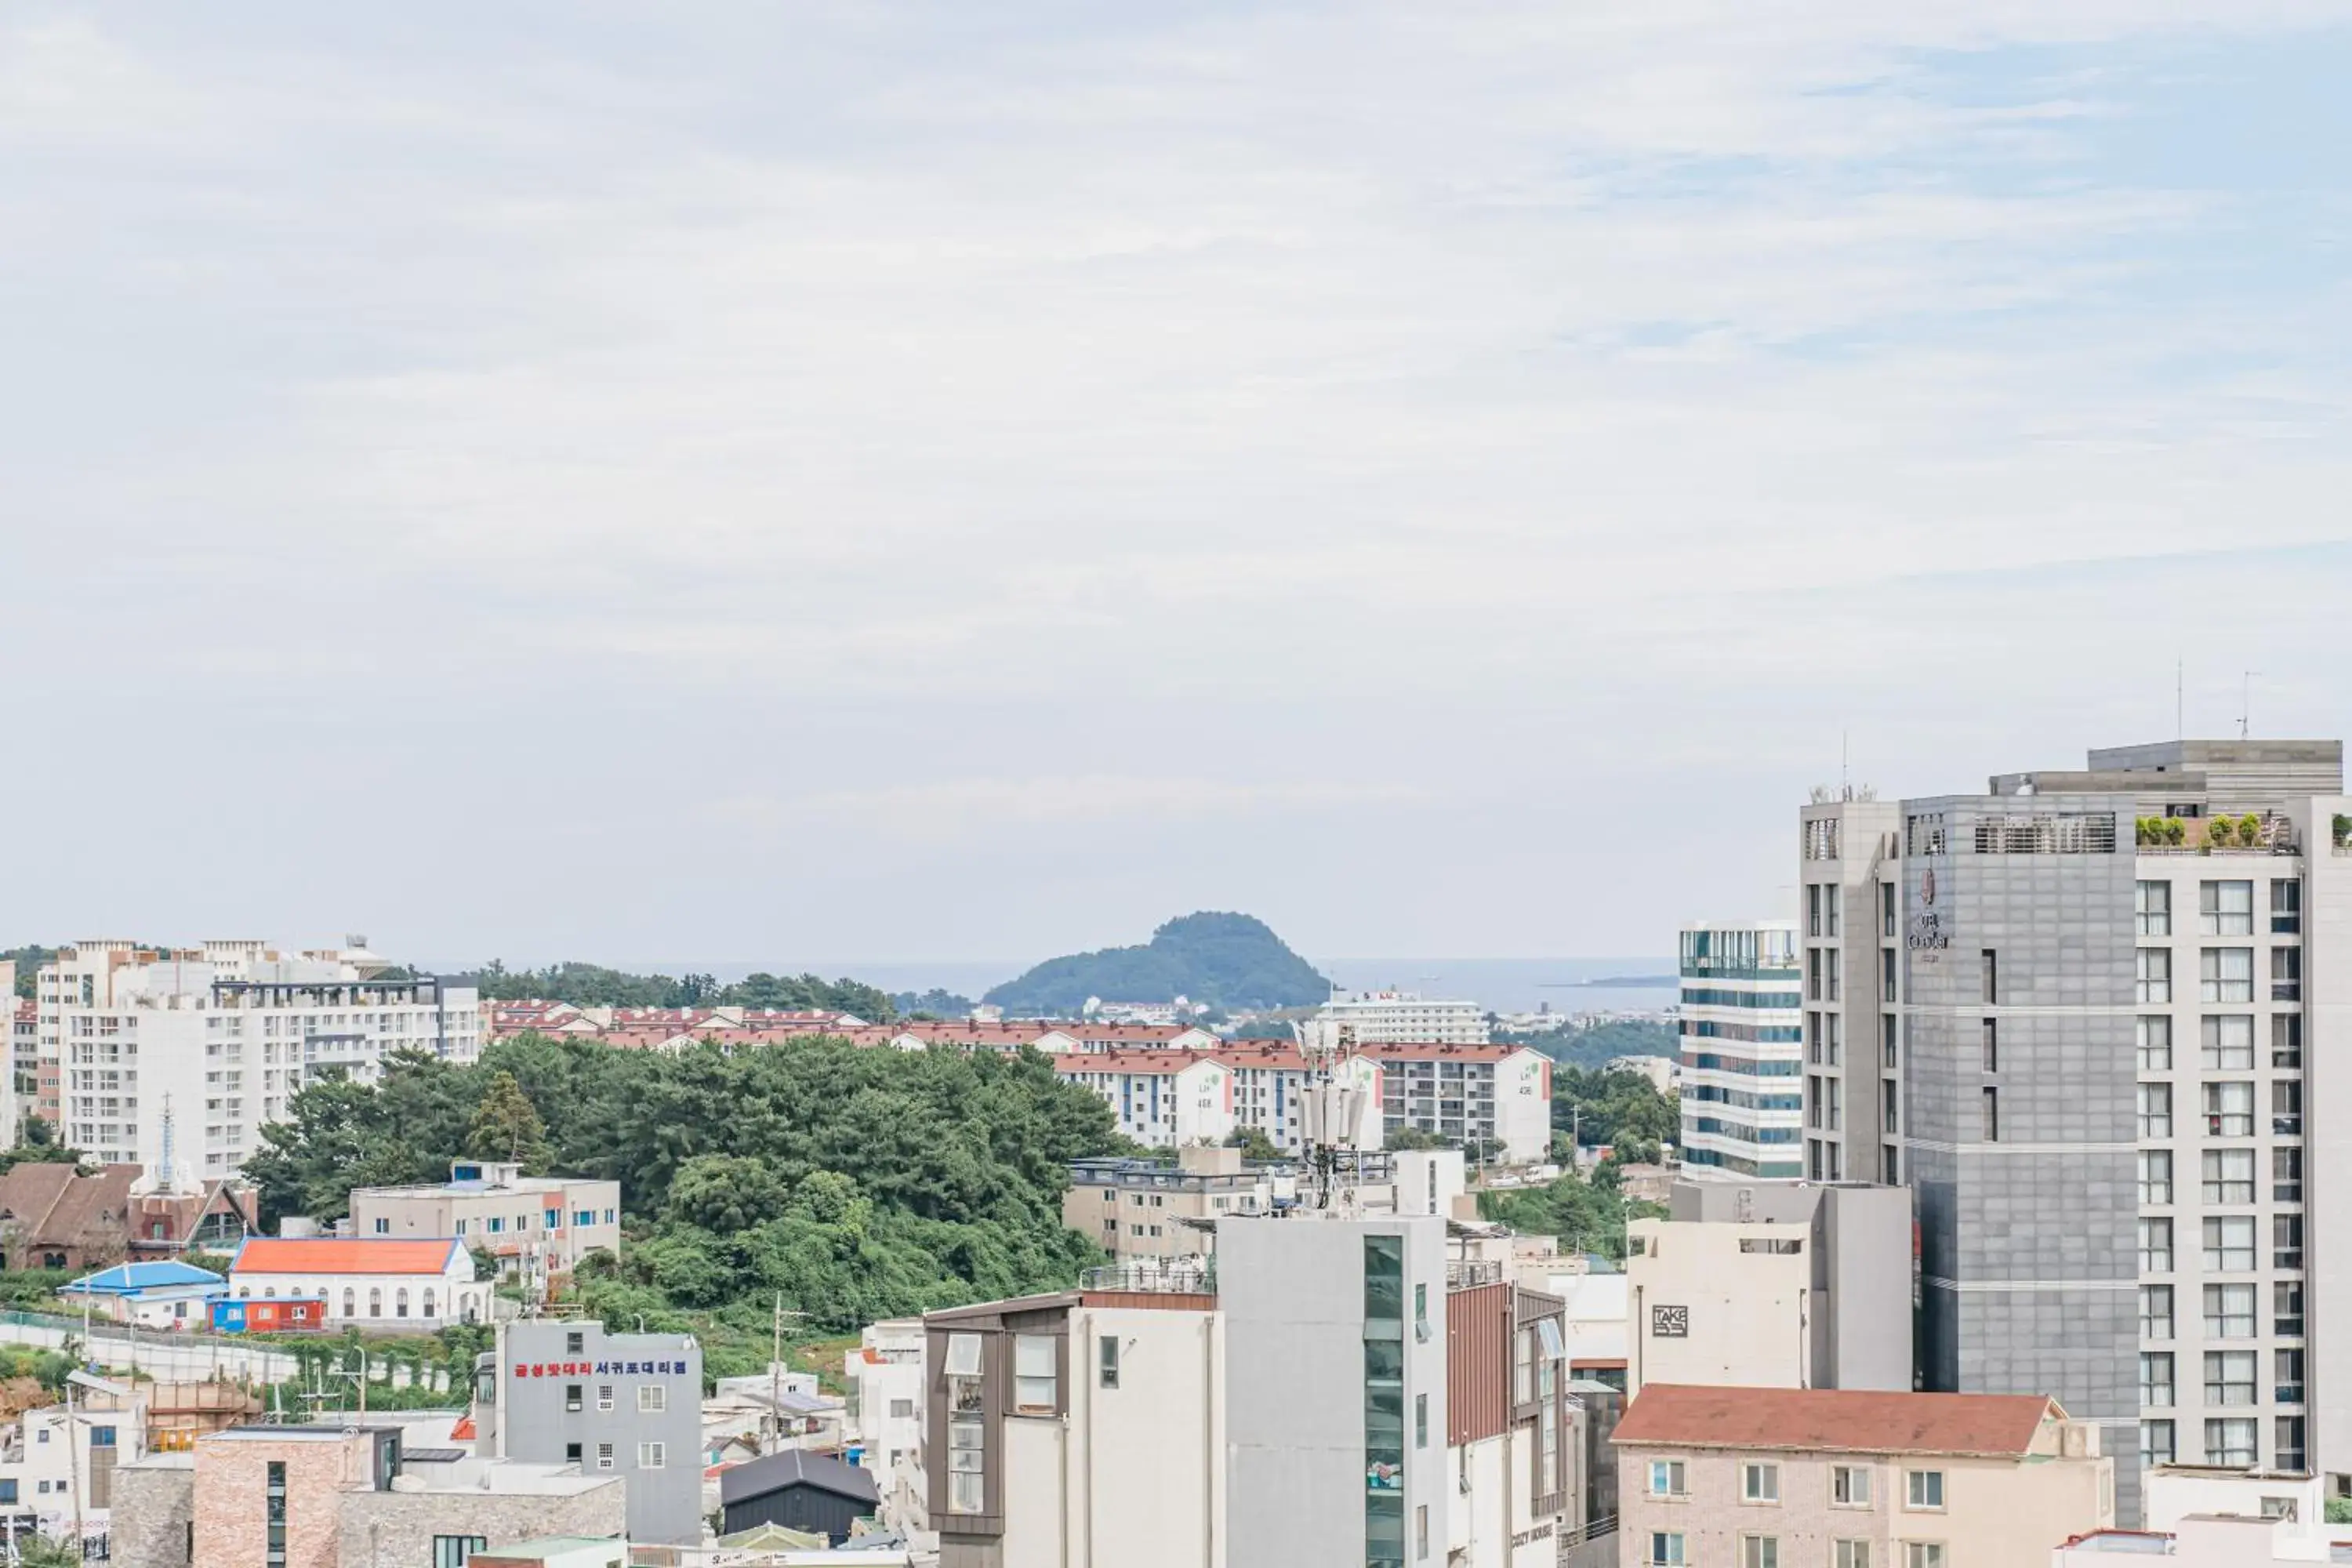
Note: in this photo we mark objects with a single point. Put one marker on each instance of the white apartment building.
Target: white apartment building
(176, 1059)
(884, 1376)
(1163, 1098)
(1380, 1018)
(2097, 1025)
(1496, 1097)
(537, 1226)
(1742, 1029)
(1269, 1085)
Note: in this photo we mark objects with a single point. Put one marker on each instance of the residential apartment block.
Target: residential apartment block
(175, 1059)
(2087, 1017)
(1143, 1208)
(1339, 1396)
(1168, 1098)
(1742, 1051)
(540, 1226)
(1496, 1098)
(1382, 1016)
(1754, 1478)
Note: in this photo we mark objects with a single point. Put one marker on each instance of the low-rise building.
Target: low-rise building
(52, 1217)
(2205, 1541)
(1144, 1208)
(568, 1393)
(1847, 1477)
(167, 1295)
(820, 1493)
(46, 1454)
(339, 1494)
(539, 1226)
(885, 1378)
(1772, 1284)
(376, 1282)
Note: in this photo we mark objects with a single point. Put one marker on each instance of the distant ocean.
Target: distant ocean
(1501, 985)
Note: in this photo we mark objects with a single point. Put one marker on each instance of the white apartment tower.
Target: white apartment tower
(2100, 1022)
(1386, 1017)
(1742, 1051)
(176, 1059)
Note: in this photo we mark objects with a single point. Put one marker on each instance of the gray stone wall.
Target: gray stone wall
(399, 1527)
(153, 1508)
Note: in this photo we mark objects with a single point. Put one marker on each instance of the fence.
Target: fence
(187, 1356)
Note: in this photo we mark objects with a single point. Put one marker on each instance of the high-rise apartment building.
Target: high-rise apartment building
(1742, 1050)
(1382, 1016)
(176, 1059)
(2086, 1016)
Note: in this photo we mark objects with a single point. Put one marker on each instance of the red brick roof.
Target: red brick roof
(1153, 1062)
(1437, 1051)
(1833, 1420)
(342, 1255)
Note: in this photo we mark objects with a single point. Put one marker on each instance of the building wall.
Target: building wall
(1701, 1309)
(155, 1505)
(2327, 1132)
(1148, 1477)
(521, 1211)
(455, 1296)
(532, 1420)
(1741, 1051)
(231, 1491)
(398, 1527)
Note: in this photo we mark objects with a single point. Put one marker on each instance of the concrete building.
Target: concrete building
(175, 1059)
(1269, 1088)
(1163, 1098)
(2086, 1016)
(1774, 1284)
(2203, 1541)
(384, 1283)
(539, 1226)
(1853, 1479)
(24, 1015)
(1143, 1208)
(1742, 1032)
(345, 1496)
(167, 1295)
(885, 1378)
(1391, 1017)
(1496, 1098)
(567, 1393)
(45, 1454)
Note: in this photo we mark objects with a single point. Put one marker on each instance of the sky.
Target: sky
(803, 484)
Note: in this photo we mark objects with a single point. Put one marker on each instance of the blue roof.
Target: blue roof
(130, 1279)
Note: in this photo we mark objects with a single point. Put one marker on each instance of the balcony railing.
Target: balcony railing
(1174, 1277)
(1462, 1273)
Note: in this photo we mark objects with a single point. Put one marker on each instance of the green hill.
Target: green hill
(1225, 960)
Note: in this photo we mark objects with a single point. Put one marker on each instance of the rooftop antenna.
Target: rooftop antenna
(1333, 1110)
(2246, 703)
(166, 1184)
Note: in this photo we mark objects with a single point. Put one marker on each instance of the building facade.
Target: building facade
(2085, 1016)
(1163, 1098)
(540, 1226)
(1742, 1039)
(175, 1059)
(567, 1393)
(1495, 1098)
(387, 1284)
(1383, 1017)
(1143, 1208)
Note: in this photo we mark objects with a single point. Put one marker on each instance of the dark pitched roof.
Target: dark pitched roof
(796, 1468)
(1833, 1420)
(54, 1207)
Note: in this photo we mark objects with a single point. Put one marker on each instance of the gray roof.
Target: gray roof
(795, 1467)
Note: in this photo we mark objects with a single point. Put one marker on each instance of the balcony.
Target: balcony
(1467, 1273)
(1155, 1276)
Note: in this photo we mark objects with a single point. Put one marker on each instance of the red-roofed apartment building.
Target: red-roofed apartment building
(1789, 1478)
(1496, 1094)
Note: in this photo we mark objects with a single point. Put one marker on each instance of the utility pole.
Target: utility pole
(776, 1374)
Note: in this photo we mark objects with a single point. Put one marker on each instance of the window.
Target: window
(274, 1516)
(2286, 1107)
(2230, 1111)
(575, 1397)
(1665, 1549)
(1106, 1362)
(604, 1455)
(652, 1396)
(2154, 1043)
(1887, 974)
(2156, 1176)
(2152, 908)
(8, 1492)
(2225, 909)
(1667, 1478)
(2229, 1378)
(604, 1396)
(1759, 1483)
(2286, 1377)
(2286, 1241)
(2229, 1244)
(1991, 1045)
(1850, 1554)
(451, 1551)
(2286, 1309)
(2286, 1039)
(2230, 1312)
(1813, 909)
(575, 1342)
(1887, 1041)
(2225, 974)
(2228, 1043)
(2154, 978)
(2229, 1440)
(400, 1302)
(571, 1453)
(2286, 975)
(1760, 1552)
(1886, 909)
(383, 1227)
(652, 1455)
(2156, 1312)
(2156, 1247)
(1990, 1122)
(1035, 1374)
(375, 1302)
(1420, 1421)
(2156, 1111)
(1923, 1555)
(1990, 963)
(1849, 1486)
(963, 1355)
(2286, 907)
(1420, 1532)
(2228, 1175)
(2156, 1443)
(1923, 1488)
(2286, 1175)
(904, 1409)
(553, 1219)
(2287, 1432)
(2155, 1378)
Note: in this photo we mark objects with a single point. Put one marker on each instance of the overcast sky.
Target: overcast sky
(801, 483)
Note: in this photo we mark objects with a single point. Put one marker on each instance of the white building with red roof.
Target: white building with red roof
(1497, 1095)
(377, 1282)
(1164, 1099)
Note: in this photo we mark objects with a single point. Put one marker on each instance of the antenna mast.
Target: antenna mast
(1334, 1111)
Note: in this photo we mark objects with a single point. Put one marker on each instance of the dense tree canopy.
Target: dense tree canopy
(1226, 960)
(859, 1182)
(1622, 1108)
(593, 985)
(1593, 1046)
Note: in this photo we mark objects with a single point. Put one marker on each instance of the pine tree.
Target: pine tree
(507, 1126)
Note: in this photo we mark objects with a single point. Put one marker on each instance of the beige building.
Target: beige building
(539, 1226)
(1143, 1208)
(1771, 1285)
(1793, 1478)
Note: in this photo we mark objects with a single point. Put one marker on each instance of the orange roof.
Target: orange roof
(1833, 1420)
(343, 1254)
(465, 1430)
(1438, 1050)
(1149, 1062)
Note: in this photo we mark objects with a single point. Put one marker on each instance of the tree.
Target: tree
(1254, 1143)
(1415, 1137)
(724, 1193)
(507, 1126)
